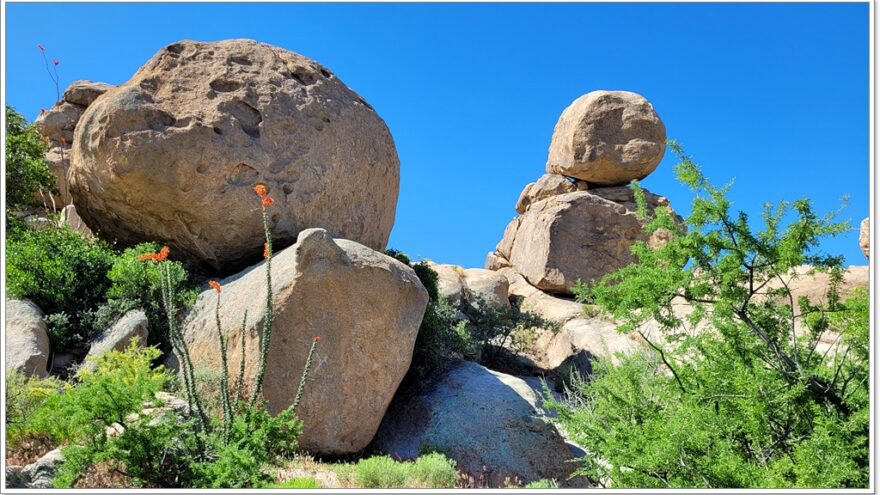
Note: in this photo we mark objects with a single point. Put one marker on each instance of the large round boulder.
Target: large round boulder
(366, 308)
(27, 339)
(607, 138)
(173, 154)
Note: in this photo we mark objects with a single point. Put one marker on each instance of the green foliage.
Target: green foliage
(26, 169)
(495, 328)
(297, 483)
(141, 283)
(427, 471)
(732, 395)
(542, 484)
(61, 272)
(24, 396)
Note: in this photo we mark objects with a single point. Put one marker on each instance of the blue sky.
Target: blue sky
(773, 95)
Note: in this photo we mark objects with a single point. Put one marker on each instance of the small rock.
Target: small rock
(495, 261)
(41, 473)
(84, 93)
(486, 285)
(450, 282)
(27, 340)
(548, 185)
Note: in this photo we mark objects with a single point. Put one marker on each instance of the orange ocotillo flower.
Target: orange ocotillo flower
(55, 61)
(214, 285)
(260, 189)
(42, 49)
(268, 201)
(265, 250)
(162, 255)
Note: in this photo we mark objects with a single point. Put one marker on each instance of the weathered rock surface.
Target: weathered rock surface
(548, 185)
(465, 286)
(39, 475)
(490, 423)
(71, 218)
(607, 138)
(173, 154)
(865, 237)
(27, 343)
(57, 126)
(118, 337)
(576, 236)
(366, 308)
(487, 286)
(495, 261)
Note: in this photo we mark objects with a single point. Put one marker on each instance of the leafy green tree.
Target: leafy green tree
(735, 393)
(26, 169)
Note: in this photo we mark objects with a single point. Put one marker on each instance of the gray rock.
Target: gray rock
(27, 341)
(118, 337)
(41, 473)
(490, 423)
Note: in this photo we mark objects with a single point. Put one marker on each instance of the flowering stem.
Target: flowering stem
(266, 336)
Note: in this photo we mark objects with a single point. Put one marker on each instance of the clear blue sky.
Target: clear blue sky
(774, 95)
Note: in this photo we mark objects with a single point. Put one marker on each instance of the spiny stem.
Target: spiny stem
(224, 378)
(270, 315)
(239, 381)
(305, 374)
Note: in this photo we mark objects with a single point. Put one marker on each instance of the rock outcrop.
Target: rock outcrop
(27, 342)
(173, 154)
(490, 423)
(57, 126)
(607, 138)
(70, 218)
(865, 237)
(576, 236)
(548, 185)
(366, 308)
(468, 286)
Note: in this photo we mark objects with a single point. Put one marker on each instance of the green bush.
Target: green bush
(61, 272)
(542, 484)
(747, 401)
(24, 396)
(26, 168)
(297, 483)
(138, 284)
(427, 471)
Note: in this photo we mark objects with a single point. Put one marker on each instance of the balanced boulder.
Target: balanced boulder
(364, 306)
(174, 153)
(490, 423)
(575, 236)
(607, 138)
(27, 342)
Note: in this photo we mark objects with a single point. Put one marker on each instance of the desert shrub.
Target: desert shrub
(134, 281)
(61, 272)
(24, 396)
(542, 484)
(296, 483)
(493, 329)
(733, 395)
(427, 471)
(26, 168)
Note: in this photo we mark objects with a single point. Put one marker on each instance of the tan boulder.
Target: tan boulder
(132, 325)
(27, 341)
(173, 154)
(84, 93)
(607, 138)
(576, 236)
(58, 123)
(450, 282)
(865, 237)
(487, 286)
(495, 261)
(58, 159)
(548, 185)
(366, 308)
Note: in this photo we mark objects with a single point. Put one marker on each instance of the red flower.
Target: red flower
(260, 189)
(163, 254)
(55, 61)
(147, 257)
(268, 201)
(317, 338)
(42, 111)
(265, 250)
(214, 285)
(63, 141)
(41, 48)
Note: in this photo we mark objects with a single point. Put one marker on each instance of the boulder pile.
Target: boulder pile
(578, 221)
